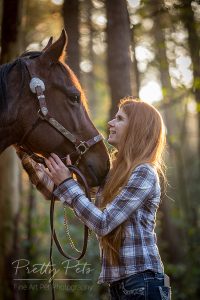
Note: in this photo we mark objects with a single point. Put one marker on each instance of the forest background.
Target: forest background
(148, 49)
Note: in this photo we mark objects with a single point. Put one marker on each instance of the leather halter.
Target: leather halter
(37, 87)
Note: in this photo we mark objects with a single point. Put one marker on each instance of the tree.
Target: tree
(9, 171)
(9, 215)
(89, 55)
(188, 19)
(168, 229)
(71, 24)
(135, 73)
(118, 54)
(11, 31)
(181, 242)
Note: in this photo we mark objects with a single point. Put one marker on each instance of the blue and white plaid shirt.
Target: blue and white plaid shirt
(136, 204)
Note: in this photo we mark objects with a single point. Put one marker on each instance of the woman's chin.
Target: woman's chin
(111, 142)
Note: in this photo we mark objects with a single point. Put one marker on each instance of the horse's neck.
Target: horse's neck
(8, 124)
(7, 137)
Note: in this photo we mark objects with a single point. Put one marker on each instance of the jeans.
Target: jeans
(142, 286)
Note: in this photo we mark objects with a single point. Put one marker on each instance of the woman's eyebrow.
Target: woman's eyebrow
(119, 116)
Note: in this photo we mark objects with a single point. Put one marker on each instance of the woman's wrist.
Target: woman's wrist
(65, 180)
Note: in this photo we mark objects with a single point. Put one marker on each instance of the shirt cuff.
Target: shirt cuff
(65, 180)
(67, 191)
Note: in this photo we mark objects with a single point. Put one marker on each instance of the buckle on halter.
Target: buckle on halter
(82, 147)
(40, 114)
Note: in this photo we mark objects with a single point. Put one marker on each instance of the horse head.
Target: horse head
(64, 100)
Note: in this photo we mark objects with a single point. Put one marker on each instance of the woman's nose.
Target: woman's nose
(111, 123)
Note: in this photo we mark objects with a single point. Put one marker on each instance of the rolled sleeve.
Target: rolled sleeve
(138, 188)
(67, 191)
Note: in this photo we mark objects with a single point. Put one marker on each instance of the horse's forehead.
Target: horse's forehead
(61, 72)
(57, 74)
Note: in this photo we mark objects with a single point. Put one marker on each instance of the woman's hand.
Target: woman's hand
(57, 171)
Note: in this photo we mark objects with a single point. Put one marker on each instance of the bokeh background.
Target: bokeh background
(148, 49)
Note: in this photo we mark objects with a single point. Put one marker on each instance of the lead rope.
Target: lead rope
(53, 232)
(51, 249)
(68, 232)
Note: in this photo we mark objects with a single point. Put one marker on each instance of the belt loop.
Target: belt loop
(149, 274)
(144, 276)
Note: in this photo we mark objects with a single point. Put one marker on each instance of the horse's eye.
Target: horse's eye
(75, 98)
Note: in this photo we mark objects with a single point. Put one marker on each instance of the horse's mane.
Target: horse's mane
(5, 69)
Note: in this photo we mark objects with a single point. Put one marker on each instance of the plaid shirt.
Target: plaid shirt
(136, 204)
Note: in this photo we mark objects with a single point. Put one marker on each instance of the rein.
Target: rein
(37, 87)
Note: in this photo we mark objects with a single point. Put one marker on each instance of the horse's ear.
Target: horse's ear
(48, 44)
(55, 51)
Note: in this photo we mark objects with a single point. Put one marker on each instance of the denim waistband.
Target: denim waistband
(148, 274)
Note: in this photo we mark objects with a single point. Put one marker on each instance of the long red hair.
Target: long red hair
(143, 142)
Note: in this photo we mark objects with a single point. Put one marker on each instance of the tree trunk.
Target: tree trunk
(118, 55)
(169, 232)
(11, 33)
(71, 23)
(9, 215)
(135, 73)
(9, 170)
(90, 55)
(29, 233)
(187, 16)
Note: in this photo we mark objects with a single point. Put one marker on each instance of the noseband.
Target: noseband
(37, 87)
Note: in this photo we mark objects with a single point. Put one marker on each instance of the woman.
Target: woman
(124, 217)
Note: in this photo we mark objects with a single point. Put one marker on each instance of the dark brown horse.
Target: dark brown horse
(65, 101)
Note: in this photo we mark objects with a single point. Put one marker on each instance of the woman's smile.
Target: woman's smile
(112, 132)
(117, 128)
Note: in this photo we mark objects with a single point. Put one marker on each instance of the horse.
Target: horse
(26, 112)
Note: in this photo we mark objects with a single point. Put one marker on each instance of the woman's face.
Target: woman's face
(117, 128)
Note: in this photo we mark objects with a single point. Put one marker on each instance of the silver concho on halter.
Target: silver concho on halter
(36, 82)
